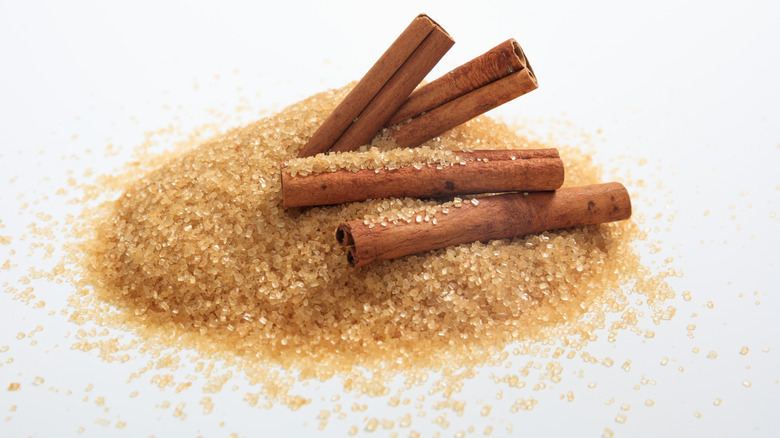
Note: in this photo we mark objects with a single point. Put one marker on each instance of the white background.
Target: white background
(690, 89)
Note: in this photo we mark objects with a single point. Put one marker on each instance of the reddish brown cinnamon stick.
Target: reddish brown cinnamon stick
(502, 60)
(464, 108)
(485, 172)
(494, 217)
(395, 91)
(383, 89)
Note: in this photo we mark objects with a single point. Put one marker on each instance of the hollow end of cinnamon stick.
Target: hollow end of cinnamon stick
(344, 235)
(352, 257)
(524, 61)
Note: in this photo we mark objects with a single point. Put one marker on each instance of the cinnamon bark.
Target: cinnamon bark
(493, 217)
(455, 112)
(479, 172)
(502, 60)
(383, 89)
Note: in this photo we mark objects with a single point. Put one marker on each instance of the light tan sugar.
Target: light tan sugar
(372, 425)
(201, 247)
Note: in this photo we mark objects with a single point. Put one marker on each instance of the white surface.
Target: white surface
(691, 88)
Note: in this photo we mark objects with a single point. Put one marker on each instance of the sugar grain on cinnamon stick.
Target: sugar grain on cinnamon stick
(486, 218)
(478, 172)
(383, 89)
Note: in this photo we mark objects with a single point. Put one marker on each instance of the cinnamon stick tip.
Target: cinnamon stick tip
(524, 60)
(627, 209)
(621, 200)
(561, 172)
(351, 256)
(344, 235)
(424, 16)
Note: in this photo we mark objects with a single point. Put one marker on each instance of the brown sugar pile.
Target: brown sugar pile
(202, 250)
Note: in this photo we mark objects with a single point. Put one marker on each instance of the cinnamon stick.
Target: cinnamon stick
(502, 60)
(479, 172)
(492, 217)
(383, 89)
(464, 108)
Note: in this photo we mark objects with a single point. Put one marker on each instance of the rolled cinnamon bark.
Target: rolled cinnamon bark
(390, 81)
(491, 217)
(502, 60)
(480, 172)
(394, 93)
(455, 112)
